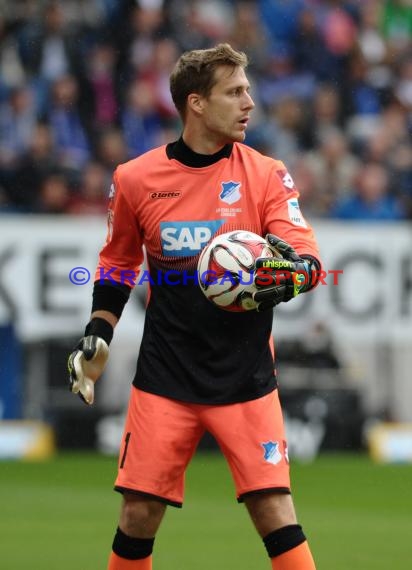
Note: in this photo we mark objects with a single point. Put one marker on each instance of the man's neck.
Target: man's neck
(200, 143)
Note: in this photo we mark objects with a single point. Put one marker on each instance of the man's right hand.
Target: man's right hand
(86, 364)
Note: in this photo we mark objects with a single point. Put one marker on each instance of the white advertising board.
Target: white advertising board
(366, 292)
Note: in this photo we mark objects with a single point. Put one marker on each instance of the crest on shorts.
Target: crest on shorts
(272, 453)
(230, 192)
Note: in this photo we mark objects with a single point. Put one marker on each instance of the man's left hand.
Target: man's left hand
(280, 278)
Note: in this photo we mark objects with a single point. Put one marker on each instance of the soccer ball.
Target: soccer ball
(225, 269)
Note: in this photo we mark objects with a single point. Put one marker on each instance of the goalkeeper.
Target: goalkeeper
(200, 368)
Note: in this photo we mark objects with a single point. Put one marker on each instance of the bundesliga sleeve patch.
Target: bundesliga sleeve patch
(295, 215)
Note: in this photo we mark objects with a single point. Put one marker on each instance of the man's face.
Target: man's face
(226, 110)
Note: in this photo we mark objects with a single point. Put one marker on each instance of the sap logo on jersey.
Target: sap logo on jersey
(182, 239)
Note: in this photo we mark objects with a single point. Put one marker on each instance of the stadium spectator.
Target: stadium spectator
(372, 44)
(397, 25)
(324, 115)
(68, 124)
(146, 24)
(312, 202)
(17, 123)
(285, 127)
(90, 197)
(140, 121)
(54, 195)
(161, 63)
(101, 75)
(248, 30)
(33, 167)
(400, 170)
(334, 167)
(403, 84)
(390, 146)
(12, 73)
(371, 199)
(281, 21)
(49, 46)
(339, 27)
(282, 78)
(310, 50)
(363, 101)
(111, 148)
(195, 25)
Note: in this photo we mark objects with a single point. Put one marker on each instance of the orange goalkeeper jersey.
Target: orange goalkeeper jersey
(172, 201)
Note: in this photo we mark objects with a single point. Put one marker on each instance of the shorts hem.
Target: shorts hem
(122, 490)
(277, 490)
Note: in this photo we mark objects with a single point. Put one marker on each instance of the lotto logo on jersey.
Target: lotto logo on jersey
(182, 239)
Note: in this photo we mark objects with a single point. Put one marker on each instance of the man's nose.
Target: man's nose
(249, 103)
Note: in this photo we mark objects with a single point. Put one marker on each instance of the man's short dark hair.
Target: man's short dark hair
(194, 72)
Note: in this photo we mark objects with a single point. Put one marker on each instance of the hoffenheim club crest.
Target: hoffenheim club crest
(272, 453)
(230, 192)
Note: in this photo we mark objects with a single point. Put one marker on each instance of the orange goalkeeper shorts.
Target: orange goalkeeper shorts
(161, 436)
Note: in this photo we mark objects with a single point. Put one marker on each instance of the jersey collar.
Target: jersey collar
(181, 152)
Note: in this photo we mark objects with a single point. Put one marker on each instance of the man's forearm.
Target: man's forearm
(106, 315)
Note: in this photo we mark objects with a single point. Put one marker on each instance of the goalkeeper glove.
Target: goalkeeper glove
(88, 360)
(282, 277)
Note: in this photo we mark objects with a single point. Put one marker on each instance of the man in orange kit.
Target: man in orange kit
(200, 368)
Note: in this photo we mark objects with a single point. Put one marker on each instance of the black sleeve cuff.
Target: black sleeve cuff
(101, 328)
(109, 296)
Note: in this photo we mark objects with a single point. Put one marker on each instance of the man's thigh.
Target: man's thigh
(160, 437)
(252, 438)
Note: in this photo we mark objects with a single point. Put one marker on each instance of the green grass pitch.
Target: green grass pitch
(61, 514)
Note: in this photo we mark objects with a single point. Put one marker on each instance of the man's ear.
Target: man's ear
(195, 102)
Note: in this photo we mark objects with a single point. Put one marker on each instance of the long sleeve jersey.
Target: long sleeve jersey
(170, 202)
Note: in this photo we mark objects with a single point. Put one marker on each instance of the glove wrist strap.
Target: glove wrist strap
(99, 327)
(313, 272)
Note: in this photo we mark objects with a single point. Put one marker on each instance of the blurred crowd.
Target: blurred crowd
(84, 86)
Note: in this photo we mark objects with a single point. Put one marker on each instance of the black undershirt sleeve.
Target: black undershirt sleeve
(110, 296)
